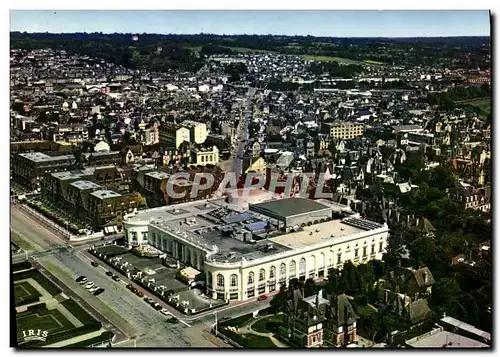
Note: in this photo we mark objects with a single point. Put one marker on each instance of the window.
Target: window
(233, 281)
(220, 281)
(302, 266)
(292, 269)
(373, 249)
(339, 258)
(381, 246)
(262, 275)
(272, 273)
(356, 252)
(364, 251)
(282, 271)
(251, 278)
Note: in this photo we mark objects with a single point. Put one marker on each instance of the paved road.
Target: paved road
(124, 310)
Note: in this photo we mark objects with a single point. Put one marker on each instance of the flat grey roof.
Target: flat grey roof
(287, 207)
(444, 339)
(159, 175)
(85, 185)
(101, 194)
(66, 175)
(42, 157)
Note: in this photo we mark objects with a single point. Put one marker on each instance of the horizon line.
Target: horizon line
(242, 34)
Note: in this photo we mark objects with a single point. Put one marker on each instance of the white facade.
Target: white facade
(243, 279)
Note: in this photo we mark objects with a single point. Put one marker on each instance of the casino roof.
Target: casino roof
(287, 207)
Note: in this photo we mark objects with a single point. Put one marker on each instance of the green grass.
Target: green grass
(373, 62)
(21, 242)
(45, 283)
(268, 324)
(239, 321)
(247, 50)
(25, 292)
(365, 310)
(249, 340)
(330, 59)
(482, 103)
(52, 321)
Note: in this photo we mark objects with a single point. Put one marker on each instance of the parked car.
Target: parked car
(262, 298)
(129, 286)
(94, 264)
(157, 306)
(173, 320)
(89, 285)
(108, 273)
(115, 278)
(165, 312)
(139, 293)
(93, 289)
(148, 300)
(98, 291)
(84, 281)
(80, 278)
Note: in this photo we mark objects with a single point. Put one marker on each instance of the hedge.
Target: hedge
(27, 301)
(21, 266)
(105, 336)
(51, 288)
(83, 316)
(65, 335)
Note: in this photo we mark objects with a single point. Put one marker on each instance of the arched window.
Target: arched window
(313, 262)
(251, 278)
(292, 269)
(234, 281)
(262, 275)
(302, 266)
(220, 280)
(282, 271)
(321, 261)
(272, 272)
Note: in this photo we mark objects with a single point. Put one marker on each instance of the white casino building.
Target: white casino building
(246, 253)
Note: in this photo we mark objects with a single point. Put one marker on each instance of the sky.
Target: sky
(395, 23)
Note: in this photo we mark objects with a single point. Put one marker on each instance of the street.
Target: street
(126, 314)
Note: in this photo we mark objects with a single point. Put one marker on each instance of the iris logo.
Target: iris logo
(35, 335)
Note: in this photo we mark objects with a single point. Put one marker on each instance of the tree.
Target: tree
(445, 296)
(279, 300)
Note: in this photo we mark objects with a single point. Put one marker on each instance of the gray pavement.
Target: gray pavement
(148, 326)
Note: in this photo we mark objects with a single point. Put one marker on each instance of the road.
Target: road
(127, 314)
(117, 308)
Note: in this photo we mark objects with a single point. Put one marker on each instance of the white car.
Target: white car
(84, 281)
(95, 288)
(165, 312)
(89, 285)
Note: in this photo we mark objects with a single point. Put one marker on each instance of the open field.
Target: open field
(330, 59)
(22, 243)
(482, 103)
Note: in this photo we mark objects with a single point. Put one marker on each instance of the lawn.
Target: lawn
(268, 324)
(373, 62)
(25, 293)
(330, 59)
(52, 321)
(365, 310)
(23, 244)
(238, 321)
(482, 103)
(249, 340)
(247, 50)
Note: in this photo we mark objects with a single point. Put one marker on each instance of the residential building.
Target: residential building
(197, 131)
(343, 130)
(173, 135)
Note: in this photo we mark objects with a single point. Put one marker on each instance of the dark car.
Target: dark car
(80, 278)
(115, 278)
(98, 291)
(129, 286)
(108, 273)
(262, 298)
(148, 299)
(157, 306)
(139, 293)
(94, 264)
